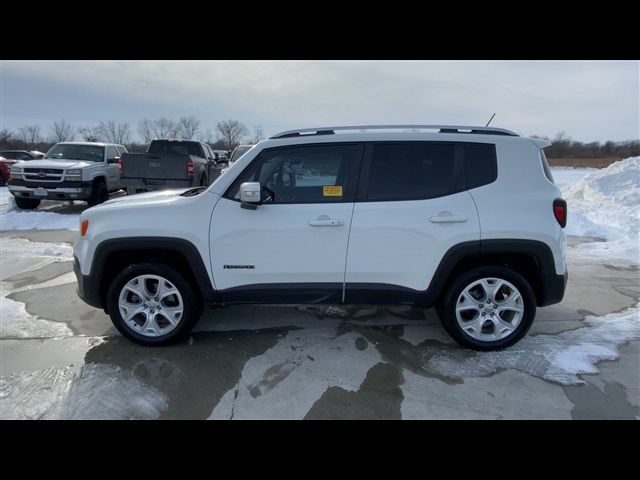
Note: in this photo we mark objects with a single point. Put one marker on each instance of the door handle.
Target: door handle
(331, 222)
(447, 217)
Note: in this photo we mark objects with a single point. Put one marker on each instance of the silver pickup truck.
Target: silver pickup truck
(171, 164)
(69, 171)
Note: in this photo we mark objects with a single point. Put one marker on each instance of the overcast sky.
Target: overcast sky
(588, 100)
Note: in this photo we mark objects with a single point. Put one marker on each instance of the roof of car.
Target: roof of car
(97, 144)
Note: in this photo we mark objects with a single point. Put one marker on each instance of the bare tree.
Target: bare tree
(164, 128)
(188, 127)
(62, 132)
(6, 137)
(90, 134)
(30, 136)
(231, 132)
(145, 129)
(113, 132)
(258, 134)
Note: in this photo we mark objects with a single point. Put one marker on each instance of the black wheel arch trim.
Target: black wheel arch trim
(552, 285)
(90, 287)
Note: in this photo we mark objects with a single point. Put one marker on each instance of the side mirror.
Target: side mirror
(113, 160)
(250, 195)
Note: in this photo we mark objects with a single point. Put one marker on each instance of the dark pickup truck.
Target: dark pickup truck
(170, 164)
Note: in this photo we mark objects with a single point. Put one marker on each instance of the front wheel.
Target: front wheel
(488, 308)
(99, 194)
(153, 304)
(27, 203)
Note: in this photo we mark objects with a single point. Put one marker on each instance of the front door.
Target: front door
(291, 249)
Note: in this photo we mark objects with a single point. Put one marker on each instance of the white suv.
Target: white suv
(466, 219)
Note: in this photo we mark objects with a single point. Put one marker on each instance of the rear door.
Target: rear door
(292, 249)
(411, 208)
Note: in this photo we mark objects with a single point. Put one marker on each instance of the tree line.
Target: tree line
(564, 147)
(230, 133)
(227, 134)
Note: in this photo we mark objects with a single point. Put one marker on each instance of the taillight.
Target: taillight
(560, 211)
(189, 168)
(121, 166)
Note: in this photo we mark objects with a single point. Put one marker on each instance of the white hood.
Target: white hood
(146, 197)
(62, 164)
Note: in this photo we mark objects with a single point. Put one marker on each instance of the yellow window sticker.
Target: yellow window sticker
(332, 191)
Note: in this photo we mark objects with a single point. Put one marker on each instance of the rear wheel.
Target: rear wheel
(153, 304)
(488, 308)
(27, 203)
(99, 194)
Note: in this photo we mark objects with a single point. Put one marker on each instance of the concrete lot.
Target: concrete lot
(316, 363)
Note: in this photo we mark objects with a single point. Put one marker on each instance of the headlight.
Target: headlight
(15, 171)
(74, 171)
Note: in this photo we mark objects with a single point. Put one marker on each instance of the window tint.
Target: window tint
(160, 147)
(414, 171)
(307, 174)
(111, 153)
(481, 164)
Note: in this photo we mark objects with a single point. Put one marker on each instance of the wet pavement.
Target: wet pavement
(315, 363)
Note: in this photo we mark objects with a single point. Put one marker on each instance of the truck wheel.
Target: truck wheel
(27, 203)
(153, 304)
(99, 194)
(488, 308)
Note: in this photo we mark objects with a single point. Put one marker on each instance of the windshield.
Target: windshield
(239, 151)
(61, 151)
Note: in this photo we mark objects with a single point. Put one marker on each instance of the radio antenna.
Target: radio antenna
(490, 120)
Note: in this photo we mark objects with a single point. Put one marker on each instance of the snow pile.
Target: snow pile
(18, 256)
(12, 218)
(606, 204)
(33, 220)
(7, 202)
(98, 391)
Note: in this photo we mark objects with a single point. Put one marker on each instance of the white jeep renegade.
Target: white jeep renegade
(465, 219)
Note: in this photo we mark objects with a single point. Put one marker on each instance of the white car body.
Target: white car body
(358, 247)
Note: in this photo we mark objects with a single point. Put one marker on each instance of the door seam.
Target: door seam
(346, 257)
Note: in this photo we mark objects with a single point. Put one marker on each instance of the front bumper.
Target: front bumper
(88, 288)
(50, 190)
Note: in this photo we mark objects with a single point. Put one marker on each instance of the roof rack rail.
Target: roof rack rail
(440, 128)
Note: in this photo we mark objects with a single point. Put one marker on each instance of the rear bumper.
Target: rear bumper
(58, 191)
(153, 184)
(553, 288)
(88, 288)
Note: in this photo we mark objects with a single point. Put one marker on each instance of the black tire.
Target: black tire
(99, 194)
(27, 203)
(448, 309)
(192, 303)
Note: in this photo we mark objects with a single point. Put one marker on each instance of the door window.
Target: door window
(414, 171)
(112, 153)
(305, 174)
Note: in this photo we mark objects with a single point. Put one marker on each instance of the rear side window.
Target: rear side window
(414, 171)
(481, 164)
(545, 166)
